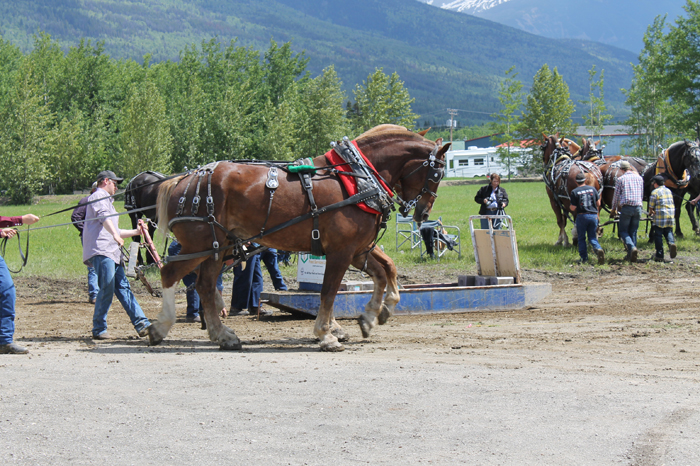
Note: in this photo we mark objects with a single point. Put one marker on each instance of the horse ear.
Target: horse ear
(443, 149)
(438, 141)
(545, 136)
(424, 132)
(583, 141)
(596, 143)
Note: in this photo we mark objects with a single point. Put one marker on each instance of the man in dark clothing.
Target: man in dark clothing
(491, 198)
(78, 218)
(585, 203)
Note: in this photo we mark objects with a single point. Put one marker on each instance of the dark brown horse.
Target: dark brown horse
(679, 157)
(560, 180)
(609, 167)
(140, 192)
(243, 206)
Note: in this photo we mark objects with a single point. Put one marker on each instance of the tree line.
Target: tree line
(664, 97)
(65, 116)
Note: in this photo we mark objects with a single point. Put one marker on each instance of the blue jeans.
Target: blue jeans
(269, 258)
(247, 285)
(587, 224)
(194, 305)
(659, 235)
(485, 223)
(93, 288)
(111, 279)
(628, 225)
(7, 305)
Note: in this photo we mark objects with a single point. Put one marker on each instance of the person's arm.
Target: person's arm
(695, 201)
(504, 201)
(481, 197)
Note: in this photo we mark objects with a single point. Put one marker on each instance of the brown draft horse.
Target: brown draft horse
(347, 234)
(609, 166)
(560, 180)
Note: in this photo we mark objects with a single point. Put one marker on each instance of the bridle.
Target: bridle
(436, 172)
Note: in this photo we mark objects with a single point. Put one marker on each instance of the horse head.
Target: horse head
(550, 143)
(419, 166)
(691, 158)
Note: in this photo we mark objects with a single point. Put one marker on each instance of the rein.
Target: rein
(3, 246)
(113, 195)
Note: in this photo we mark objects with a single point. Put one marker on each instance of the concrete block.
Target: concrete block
(485, 280)
(353, 285)
(505, 281)
(465, 280)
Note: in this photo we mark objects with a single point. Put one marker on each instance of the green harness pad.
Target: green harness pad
(302, 169)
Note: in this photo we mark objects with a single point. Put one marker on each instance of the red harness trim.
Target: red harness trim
(350, 182)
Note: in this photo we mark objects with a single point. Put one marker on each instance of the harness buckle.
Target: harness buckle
(315, 235)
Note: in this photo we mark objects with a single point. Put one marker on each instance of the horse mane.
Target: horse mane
(164, 192)
(387, 131)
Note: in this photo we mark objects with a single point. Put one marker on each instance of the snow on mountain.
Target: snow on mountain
(468, 6)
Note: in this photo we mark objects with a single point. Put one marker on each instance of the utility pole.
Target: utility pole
(452, 113)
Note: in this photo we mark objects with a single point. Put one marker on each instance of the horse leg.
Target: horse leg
(678, 202)
(563, 239)
(212, 303)
(378, 310)
(336, 265)
(690, 208)
(170, 275)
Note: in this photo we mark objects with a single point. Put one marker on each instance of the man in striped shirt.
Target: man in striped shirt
(628, 202)
(662, 208)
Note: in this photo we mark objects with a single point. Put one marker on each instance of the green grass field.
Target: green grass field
(56, 252)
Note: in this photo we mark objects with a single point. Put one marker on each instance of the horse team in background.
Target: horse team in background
(564, 158)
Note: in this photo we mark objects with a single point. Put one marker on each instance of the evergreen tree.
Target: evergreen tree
(23, 141)
(383, 99)
(548, 110)
(322, 117)
(144, 133)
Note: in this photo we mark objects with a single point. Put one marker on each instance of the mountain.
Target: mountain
(472, 7)
(446, 59)
(621, 23)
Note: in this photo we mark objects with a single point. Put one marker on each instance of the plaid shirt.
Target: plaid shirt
(661, 201)
(628, 190)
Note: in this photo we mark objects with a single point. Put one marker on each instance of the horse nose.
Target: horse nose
(425, 216)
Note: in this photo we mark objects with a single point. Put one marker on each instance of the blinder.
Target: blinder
(436, 172)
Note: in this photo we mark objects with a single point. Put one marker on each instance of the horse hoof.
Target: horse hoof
(340, 334)
(155, 335)
(384, 315)
(231, 346)
(332, 347)
(154, 340)
(365, 326)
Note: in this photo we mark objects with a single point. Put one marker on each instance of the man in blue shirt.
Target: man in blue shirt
(585, 202)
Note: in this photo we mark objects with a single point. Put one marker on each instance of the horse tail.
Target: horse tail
(165, 190)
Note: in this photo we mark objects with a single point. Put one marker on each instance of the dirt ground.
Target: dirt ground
(603, 371)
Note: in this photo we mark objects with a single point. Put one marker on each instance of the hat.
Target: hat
(109, 174)
(625, 165)
(658, 179)
(580, 177)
